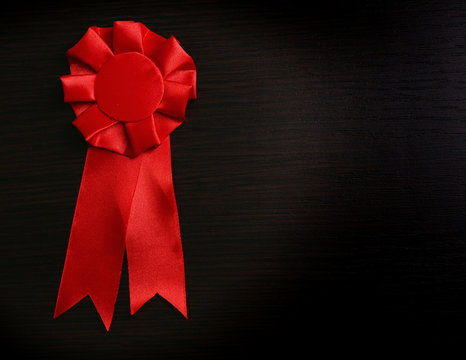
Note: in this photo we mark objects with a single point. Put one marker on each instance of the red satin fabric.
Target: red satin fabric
(123, 75)
(129, 88)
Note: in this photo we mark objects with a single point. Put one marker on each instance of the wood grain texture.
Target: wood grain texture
(320, 179)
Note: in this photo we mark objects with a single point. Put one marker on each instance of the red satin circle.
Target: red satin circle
(129, 87)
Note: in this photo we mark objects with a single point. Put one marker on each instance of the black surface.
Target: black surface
(320, 180)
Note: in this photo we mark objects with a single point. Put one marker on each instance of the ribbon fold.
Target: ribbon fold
(129, 88)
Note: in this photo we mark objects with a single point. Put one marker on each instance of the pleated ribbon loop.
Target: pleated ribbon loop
(129, 89)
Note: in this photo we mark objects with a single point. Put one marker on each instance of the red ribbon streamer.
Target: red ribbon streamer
(128, 88)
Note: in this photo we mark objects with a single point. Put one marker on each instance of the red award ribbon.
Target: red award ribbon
(129, 88)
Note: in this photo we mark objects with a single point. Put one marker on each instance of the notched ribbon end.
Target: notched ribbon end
(105, 312)
(138, 302)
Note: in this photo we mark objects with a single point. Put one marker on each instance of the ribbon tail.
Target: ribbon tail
(153, 241)
(96, 246)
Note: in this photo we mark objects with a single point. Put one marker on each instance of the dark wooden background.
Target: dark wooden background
(320, 179)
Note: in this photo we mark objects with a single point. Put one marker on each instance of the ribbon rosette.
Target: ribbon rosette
(129, 88)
